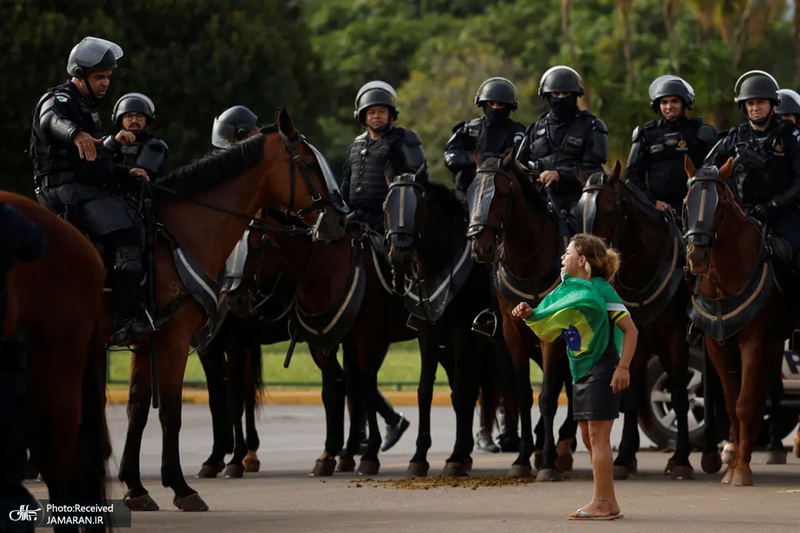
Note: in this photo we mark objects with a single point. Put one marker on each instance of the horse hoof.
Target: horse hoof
(538, 459)
(520, 471)
(192, 503)
(251, 462)
(454, 469)
(548, 474)
(234, 471)
(727, 476)
(742, 477)
(211, 470)
(682, 472)
(346, 464)
(670, 468)
(417, 469)
(711, 462)
(368, 467)
(564, 463)
(775, 457)
(324, 467)
(140, 503)
(621, 472)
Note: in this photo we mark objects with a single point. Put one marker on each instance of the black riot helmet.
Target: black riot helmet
(560, 79)
(670, 85)
(92, 54)
(497, 90)
(790, 103)
(133, 103)
(375, 93)
(756, 84)
(232, 125)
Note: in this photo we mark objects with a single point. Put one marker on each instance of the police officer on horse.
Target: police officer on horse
(76, 176)
(134, 145)
(655, 164)
(766, 165)
(234, 124)
(492, 135)
(364, 185)
(565, 140)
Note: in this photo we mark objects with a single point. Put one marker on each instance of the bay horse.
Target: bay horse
(511, 227)
(342, 298)
(650, 283)
(54, 305)
(206, 207)
(735, 302)
(426, 230)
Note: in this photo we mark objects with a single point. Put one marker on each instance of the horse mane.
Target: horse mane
(212, 169)
(443, 196)
(641, 202)
(533, 193)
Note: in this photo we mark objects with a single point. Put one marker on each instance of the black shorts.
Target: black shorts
(592, 397)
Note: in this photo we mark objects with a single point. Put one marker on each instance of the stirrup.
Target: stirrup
(486, 323)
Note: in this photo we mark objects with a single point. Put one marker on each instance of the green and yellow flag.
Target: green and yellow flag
(578, 310)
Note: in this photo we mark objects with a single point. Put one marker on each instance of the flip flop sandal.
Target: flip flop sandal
(583, 515)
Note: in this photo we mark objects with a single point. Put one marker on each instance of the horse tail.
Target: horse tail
(95, 442)
(256, 372)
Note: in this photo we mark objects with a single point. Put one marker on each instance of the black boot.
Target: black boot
(394, 432)
(484, 441)
(487, 323)
(509, 437)
(130, 323)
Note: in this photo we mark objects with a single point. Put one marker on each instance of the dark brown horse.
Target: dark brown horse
(650, 282)
(207, 210)
(428, 248)
(735, 302)
(511, 227)
(342, 297)
(55, 303)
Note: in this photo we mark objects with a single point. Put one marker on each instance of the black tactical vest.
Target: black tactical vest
(666, 147)
(492, 140)
(367, 160)
(567, 151)
(51, 156)
(761, 168)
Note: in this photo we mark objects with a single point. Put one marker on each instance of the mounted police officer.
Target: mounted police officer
(766, 152)
(493, 135)
(655, 164)
(364, 185)
(234, 124)
(564, 140)
(76, 177)
(134, 145)
(789, 107)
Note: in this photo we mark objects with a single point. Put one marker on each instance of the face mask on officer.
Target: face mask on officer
(496, 114)
(565, 105)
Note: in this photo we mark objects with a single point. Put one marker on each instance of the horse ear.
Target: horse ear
(726, 169)
(284, 123)
(614, 175)
(388, 172)
(688, 166)
(581, 175)
(508, 159)
(479, 159)
(421, 176)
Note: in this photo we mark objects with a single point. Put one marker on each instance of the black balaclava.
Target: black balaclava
(563, 107)
(496, 116)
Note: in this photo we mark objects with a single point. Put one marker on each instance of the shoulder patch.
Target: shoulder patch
(62, 98)
(796, 134)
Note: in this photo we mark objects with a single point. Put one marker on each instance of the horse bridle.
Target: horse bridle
(401, 229)
(699, 229)
(297, 162)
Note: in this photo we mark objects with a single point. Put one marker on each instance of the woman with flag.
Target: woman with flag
(586, 310)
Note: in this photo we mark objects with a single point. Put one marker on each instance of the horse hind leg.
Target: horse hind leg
(419, 466)
(251, 462)
(215, 369)
(237, 359)
(776, 453)
(626, 463)
(678, 375)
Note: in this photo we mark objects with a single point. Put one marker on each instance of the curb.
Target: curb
(441, 398)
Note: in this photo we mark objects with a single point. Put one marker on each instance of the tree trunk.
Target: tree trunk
(623, 9)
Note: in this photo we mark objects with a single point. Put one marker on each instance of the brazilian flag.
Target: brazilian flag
(577, 310)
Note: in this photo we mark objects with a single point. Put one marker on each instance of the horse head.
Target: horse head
(704, 211)
(491, 200)
(600, 202)
(405, 218)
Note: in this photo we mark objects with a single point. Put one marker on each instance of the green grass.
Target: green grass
(400, 367)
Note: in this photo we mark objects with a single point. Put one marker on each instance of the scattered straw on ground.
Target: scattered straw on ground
(426, 483)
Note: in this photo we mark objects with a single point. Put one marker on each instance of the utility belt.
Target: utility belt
(54, 180)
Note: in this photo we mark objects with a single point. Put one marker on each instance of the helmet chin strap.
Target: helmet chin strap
(85, 80)
(762, 120)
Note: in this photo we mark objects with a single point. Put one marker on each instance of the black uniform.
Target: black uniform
(364, 186)
(766, 173)
(565, 143)
(478, 136)
(147, 152)
(86, 193)
(656, 162)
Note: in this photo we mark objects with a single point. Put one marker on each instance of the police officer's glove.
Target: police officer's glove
(766, 212)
